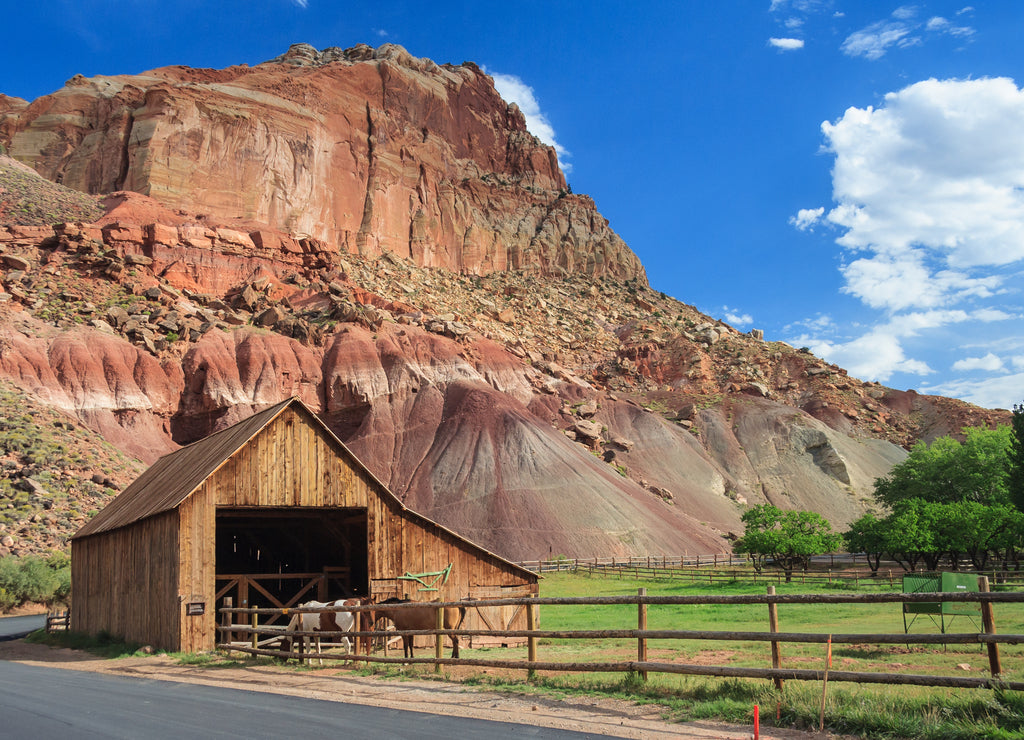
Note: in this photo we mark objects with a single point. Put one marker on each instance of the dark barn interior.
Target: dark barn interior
(274, 555)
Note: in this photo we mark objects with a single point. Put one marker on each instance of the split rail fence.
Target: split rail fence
(724, 568)
(260, 640)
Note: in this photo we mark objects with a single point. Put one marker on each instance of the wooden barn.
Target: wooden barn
(272, 511)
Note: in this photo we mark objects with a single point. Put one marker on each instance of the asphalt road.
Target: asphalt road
(12, 628)
(37, 702)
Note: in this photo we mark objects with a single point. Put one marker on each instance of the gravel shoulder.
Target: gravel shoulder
(598, 716)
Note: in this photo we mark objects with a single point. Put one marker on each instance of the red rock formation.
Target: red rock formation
(367, 150)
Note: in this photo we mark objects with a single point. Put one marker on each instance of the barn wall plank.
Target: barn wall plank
(124, 580)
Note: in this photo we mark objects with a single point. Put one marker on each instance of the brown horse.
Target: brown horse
(422, 617)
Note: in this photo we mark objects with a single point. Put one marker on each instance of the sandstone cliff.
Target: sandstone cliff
(477, 335)
(369, 150)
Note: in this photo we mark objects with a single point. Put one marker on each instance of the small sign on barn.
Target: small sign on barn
(195, 608)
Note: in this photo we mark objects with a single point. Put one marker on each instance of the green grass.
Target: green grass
(864, 710)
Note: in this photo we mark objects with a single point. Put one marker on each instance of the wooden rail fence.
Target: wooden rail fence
(58, 621)
(723, 568)
(260, 638)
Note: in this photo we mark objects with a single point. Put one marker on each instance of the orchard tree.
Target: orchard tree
(1015, 480)
(785, 539)
(947, 471)
(868, 535)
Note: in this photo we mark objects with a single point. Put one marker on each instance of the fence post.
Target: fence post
(438, 639)
(773, 626)
(531, 641)
(641, 624)
(989, 623)
(225, 619)
(254, 623)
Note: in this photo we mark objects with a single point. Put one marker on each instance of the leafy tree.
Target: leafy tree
(1015, 480)
(785, 539)
(868, 535)
(910, 535)
(947, 471)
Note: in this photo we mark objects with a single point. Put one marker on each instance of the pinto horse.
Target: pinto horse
(422, 617)
(314, 623)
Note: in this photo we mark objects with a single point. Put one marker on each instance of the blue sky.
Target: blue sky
(847, 176)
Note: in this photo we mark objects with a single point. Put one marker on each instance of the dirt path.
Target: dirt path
(594, 715)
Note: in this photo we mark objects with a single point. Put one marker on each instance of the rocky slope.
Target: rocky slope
(369, 150)
(561, 408)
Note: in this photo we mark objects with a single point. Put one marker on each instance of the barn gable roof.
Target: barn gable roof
(172, 479)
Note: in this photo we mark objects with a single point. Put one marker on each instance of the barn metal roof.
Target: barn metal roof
(170, 480)
(173, 478)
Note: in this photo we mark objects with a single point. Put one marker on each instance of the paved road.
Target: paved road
(38, 702)
(12, 628)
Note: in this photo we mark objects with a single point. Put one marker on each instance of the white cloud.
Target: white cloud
(799, 6)
(879, 352)
(806, 218)
(989, 362)
(786, 44)
(875, 355)
(820, 324)
(301, 3)
(733, 317)
(873, 41)
(513, 90)
(995, 393)
(905, 12)
(931, 186)
(899, 282)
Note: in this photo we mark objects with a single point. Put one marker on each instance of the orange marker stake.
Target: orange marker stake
(757, 723)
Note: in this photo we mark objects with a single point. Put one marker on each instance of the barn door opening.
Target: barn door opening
(284, 556)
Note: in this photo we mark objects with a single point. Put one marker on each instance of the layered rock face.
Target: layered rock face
(381, 237)
(368, 150)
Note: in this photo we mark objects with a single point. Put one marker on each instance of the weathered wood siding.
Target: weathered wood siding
(197, 519)
(163, 563)
(125, 582)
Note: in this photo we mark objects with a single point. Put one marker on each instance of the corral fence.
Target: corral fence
(260, 640)
(714, 560)
(58, 621)
(850, 569)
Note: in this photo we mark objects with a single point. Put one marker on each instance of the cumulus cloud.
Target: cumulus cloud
(880, 351)
(903, 29)
(786, 44)
(989, 362)
(513, 90)
(1000, 392)
(875, 355)
(806, 218)
(735, 318)
(930, 186)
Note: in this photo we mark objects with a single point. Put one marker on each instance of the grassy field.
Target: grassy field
(832, 618)
(864, 710)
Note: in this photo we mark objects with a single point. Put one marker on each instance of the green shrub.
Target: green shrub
(33, 578)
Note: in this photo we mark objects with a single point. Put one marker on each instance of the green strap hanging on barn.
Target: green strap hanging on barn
(433, 585)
